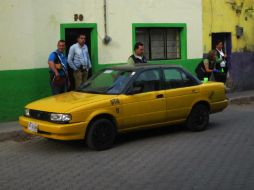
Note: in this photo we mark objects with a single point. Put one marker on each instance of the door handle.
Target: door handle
(160, 96)
(194, 91)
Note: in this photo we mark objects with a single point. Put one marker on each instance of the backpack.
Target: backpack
(200, 70)
(57, 62)
(60, 68)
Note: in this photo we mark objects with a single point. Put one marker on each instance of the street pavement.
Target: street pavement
(171, 158)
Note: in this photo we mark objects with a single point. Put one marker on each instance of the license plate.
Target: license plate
(33, 127)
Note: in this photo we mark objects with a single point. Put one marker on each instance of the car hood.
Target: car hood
(63, 103)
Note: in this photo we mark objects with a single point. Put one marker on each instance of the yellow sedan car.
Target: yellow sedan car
(125, 98)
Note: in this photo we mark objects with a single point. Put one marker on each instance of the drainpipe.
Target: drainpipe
(106, 38)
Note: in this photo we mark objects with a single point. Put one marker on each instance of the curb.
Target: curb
(11, 130)
(241, 100)
(10, 134)
(15, 133)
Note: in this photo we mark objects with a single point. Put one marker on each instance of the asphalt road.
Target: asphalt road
(219, 158)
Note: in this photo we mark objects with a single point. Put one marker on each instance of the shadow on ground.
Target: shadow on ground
(123, 138)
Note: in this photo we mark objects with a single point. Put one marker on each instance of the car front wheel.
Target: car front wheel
(101, 134)
(199, 118)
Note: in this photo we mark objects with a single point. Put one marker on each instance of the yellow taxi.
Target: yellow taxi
(125, 98)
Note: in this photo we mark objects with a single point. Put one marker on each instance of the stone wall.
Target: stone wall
(242, 71)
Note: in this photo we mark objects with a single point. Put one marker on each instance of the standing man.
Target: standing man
(57, 62)
(79, 60)
(138, 55)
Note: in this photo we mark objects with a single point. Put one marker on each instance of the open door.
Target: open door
(70, 32)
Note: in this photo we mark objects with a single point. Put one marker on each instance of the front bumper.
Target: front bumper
(72, 131)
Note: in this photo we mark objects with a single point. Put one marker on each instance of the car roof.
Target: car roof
(141, 66)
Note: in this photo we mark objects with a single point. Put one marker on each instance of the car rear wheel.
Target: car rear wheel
(199, 118)
(101, 134)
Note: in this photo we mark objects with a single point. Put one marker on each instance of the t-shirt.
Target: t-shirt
(61, 56)
(52, 57)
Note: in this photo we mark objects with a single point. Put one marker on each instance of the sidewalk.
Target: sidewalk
(13, 129)
(10, 130)
(240, 97)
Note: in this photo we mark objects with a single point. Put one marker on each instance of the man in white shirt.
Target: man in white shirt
(79, 60)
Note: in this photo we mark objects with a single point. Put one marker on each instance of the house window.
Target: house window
(160, 43)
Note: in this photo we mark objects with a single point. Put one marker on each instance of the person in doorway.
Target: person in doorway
(59, 80)
(79, 61)
(221, 62)
(138, 55)
(207, 67)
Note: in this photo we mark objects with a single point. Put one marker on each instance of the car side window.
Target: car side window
(148, 81)
(175, 78)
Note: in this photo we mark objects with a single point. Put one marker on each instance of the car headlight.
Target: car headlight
(59, 117)
(27, 112)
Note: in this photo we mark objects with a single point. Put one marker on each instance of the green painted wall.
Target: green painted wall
(19, 87)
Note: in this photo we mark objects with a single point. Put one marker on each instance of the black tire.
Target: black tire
(199, 118)
(101, 134)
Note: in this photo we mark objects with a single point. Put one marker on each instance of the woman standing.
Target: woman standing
(221, 62)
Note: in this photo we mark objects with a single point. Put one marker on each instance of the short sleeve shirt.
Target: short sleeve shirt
(52, 57)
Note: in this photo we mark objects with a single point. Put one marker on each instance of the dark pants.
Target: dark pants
(57, 89)
(220, 77)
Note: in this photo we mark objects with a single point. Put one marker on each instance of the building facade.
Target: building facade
(232, 21)
(171, 31)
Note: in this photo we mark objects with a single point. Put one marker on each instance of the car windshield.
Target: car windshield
(108, 81)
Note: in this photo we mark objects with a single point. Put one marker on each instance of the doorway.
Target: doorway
(225, 37)
(70, 32)
(71, 35)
